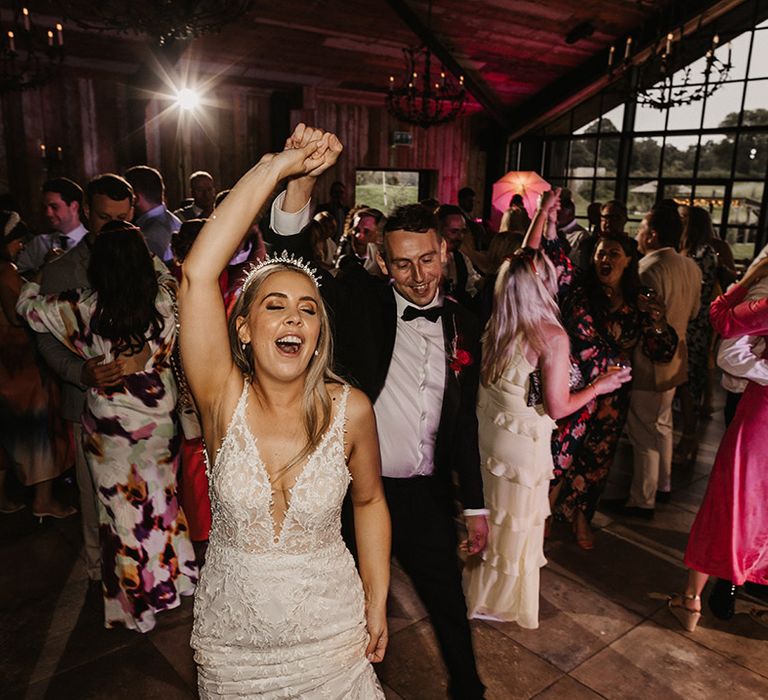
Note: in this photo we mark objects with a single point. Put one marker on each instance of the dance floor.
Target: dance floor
(604, 631)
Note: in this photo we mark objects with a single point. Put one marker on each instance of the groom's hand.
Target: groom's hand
(477, 534)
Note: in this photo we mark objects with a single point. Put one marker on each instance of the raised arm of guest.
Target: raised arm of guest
(291, 209)
(731, 315)
(204, 339)
(538, 228)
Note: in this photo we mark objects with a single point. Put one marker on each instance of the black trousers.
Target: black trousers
(424, 543)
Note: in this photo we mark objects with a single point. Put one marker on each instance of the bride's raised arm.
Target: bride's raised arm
(203, 338)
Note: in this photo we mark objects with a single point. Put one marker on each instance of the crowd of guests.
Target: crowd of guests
(127, 331)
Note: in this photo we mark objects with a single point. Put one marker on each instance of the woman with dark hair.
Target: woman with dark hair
(130, 433)
(606, 314)
(695, 243)
(33, 438)
(281, 610)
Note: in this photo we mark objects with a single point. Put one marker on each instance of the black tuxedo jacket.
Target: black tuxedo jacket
(364, 315)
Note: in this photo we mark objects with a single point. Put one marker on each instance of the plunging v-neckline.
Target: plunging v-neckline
(277, 535)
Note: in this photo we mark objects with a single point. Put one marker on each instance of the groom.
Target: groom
(416, 356)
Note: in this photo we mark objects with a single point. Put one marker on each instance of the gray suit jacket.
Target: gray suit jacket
(70, 271)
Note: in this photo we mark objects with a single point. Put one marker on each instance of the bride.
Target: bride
(280, 610)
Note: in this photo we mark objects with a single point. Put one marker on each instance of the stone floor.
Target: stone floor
(604, 628)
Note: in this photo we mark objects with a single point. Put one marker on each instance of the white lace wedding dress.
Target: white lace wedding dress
(279, 610)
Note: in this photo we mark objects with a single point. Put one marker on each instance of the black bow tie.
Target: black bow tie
(431, 314)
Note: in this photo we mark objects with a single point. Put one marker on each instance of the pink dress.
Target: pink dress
(729, 538)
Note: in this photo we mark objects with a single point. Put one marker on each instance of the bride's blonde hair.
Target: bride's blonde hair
(523, 303)
(316, 402)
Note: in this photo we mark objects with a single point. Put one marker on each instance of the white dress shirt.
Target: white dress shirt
(409, 406)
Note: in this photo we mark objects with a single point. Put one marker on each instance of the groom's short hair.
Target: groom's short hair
(415, 218)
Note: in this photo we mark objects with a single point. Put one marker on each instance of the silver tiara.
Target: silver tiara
(283, 259)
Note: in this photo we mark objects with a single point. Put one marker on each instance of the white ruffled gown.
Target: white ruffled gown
(280, 615)
(516, 461)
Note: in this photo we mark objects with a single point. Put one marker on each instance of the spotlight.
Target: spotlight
(188, 99)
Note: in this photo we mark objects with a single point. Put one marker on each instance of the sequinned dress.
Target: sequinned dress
(280, 611)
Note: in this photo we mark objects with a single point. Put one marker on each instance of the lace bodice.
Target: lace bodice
(242, 502)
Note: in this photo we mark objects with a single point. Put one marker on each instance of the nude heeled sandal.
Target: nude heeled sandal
(685, 616)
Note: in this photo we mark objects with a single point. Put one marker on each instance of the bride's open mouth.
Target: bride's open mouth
(289, 344)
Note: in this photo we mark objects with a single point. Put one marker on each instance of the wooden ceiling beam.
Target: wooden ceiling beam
(474, 85)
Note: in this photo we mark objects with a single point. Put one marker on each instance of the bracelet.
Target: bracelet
(592, 386)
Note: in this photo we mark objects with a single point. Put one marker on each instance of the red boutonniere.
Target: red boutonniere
(460, 358)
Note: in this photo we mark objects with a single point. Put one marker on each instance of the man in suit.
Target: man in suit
(676, 280)
(460, 278)
(416, 356)
(203, 197)
(107, 198)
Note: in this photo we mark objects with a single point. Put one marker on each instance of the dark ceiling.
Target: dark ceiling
(513, 53)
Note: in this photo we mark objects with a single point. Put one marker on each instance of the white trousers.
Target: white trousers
(649, 426)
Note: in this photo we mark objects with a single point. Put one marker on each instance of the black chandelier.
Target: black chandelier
(428, 93)
(29, 53)
(165, 20)
(660, 82)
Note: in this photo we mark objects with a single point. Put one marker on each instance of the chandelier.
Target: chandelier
(660, 84)
(29, 54)
(165, 20)
(428, 94)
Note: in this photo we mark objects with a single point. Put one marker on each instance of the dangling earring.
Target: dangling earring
(244, 344)
(317, 352)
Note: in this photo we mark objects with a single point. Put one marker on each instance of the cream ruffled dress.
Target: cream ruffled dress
(516, 460)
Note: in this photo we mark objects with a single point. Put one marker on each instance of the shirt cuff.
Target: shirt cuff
(477, 511)
(285, 224)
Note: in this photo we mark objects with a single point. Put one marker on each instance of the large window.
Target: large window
(712, 153)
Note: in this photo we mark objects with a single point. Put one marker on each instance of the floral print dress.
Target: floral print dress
(131, 443)
(699, 334)
(584, 443)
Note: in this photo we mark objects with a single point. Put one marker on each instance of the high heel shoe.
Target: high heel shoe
(685, 616)
(722, 599)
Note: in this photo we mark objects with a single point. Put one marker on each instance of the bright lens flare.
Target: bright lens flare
(188, 99)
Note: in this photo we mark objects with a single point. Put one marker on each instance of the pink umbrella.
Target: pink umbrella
(523, 182)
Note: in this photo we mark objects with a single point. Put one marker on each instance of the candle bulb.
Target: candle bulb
(60, 35)
(670, 36)
(610, 56)
(11, 41)
(60, 153)
(42, 150)
(50, 38)
(715, 40)
(25, 12)
(628, 48)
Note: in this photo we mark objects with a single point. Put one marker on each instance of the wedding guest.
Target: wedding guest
(157, 224)
(361, 241)
(337, 209)
(607, 314)
(33, 438)
(460, 279)
(676, 281)
(525, 385)
(516, 217)
(62, 205)
(285, 437)
(728, 537)
(129, 428)
(694, 244)
(108, 198)
(203, 197)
